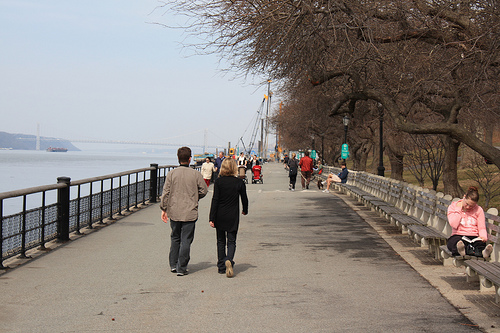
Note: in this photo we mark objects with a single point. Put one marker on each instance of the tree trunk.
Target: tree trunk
(363, 156)
(397, 166)
(450, 175)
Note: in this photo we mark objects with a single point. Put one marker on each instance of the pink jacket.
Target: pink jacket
(470, 223)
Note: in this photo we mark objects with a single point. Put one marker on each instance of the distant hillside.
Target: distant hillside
(28, 142)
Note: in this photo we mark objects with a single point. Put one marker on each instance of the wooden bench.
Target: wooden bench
(424, 232)
(428, 236)
(425, 206)
(492, 225)
(403, 221)
(487, 272)
(407, 200)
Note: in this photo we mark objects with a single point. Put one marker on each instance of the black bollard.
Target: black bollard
(63, 209)
(153, 183)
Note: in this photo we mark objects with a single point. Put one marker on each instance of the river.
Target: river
(21, 169)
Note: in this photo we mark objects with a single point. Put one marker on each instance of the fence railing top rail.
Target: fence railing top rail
(113, 175)
(44, 188)
(30, 190)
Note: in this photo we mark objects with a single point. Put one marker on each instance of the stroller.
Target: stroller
(257, 174)
(242, 173)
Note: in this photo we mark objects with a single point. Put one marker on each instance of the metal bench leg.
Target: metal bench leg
(486, 285)
(471, 274)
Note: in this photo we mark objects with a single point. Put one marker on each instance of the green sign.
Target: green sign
(313, 154)
(344, 154)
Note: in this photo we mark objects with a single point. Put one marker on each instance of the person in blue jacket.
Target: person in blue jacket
(340, 178)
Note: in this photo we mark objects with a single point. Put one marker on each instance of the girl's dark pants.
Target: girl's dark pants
(293, 179)
(453, 240)
(225, 238)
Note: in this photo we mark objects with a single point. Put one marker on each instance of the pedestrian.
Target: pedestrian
(242, 165)
(207, 169)
(306, 167)
(242, 160)
(468, 234)
(285, 161)
(255, 161)
(183, 188)
(218, 162)
(341, 177)
(224, 214)
(293, 167)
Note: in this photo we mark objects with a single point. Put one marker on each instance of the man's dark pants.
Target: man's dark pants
(306, 178)
(180, 244)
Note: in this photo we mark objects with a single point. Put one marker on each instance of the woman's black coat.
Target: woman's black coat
(225, 209)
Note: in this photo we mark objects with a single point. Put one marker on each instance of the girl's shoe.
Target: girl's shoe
(229, 269)
(461, 248)
(487, 251)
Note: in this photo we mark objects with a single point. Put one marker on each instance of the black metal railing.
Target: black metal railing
(52, 212)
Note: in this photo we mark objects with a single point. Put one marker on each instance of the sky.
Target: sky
(102, 70)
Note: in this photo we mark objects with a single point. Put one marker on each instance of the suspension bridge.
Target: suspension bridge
(211, 141)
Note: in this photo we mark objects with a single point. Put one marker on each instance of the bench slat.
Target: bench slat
(490, 270)
(426, 232)
(406, 220)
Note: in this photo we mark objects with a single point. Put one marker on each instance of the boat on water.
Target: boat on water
(199, 159)
(57, 150)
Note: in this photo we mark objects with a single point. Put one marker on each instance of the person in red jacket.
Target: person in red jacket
(306, 167)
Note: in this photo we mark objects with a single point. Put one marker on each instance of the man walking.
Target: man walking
(306, 167)
(183, 188)
(218, 163)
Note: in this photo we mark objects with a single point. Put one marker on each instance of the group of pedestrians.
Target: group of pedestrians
(306, 167)
(183, 189)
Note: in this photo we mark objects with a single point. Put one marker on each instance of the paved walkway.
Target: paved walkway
(306, 261)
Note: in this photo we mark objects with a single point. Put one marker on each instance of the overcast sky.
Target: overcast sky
(98, 69)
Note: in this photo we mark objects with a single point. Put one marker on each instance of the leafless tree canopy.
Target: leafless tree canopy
(433, 65)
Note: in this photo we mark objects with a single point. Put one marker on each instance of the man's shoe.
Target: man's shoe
(182, 273)
(229, 269)
(173, 270)
(461, 248)
(487, 251)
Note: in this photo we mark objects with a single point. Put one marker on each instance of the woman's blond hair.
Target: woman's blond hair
(228, 168)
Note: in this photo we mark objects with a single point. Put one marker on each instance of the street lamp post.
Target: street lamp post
(345, 150)
(381, 168)
(323, 149)
(346, 120)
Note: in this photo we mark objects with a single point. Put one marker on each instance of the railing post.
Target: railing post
(153, 182)
(63, 209)
(1, 236)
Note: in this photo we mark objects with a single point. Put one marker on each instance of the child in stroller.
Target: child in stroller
(257, 174)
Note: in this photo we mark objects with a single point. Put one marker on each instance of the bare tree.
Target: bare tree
(425, 157)
(485, 176)
(437, 56)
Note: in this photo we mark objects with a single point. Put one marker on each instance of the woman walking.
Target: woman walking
(207, 168)
(224, 213)
(293, 167)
